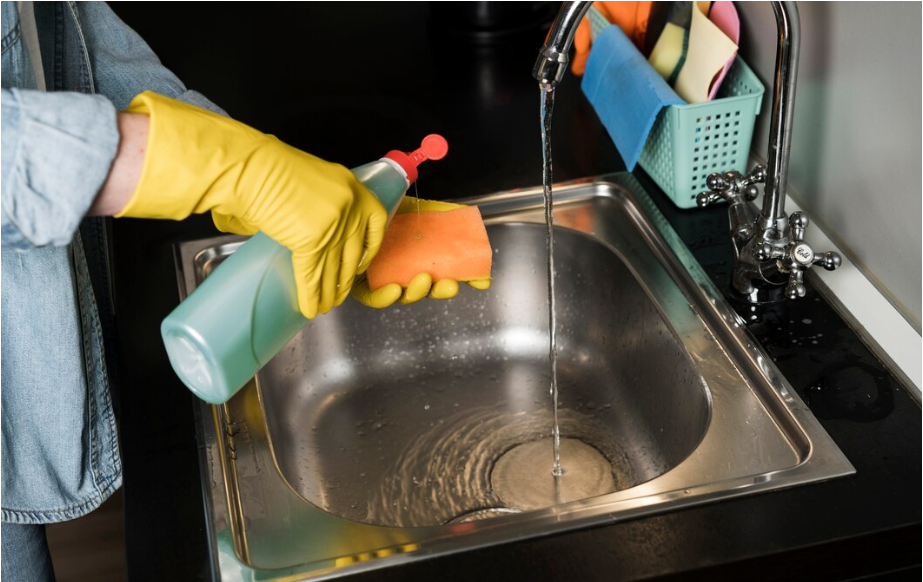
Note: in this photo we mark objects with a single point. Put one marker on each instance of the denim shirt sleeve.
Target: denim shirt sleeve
(57, 149)
(124, 65)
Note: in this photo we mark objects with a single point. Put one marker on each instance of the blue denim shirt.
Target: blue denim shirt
(60, 456)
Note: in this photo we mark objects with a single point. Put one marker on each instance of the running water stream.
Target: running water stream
(480, 463)
(546, 109)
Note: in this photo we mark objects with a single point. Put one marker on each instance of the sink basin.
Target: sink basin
(378, 437)
(410, 395)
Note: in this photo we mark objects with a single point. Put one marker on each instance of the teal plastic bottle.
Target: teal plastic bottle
(247, 309)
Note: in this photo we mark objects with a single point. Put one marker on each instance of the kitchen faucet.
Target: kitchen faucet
(769, 247)
(552, 60)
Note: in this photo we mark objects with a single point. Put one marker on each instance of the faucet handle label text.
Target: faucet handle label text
(803, 254)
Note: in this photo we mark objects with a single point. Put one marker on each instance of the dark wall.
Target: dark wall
(349, 81)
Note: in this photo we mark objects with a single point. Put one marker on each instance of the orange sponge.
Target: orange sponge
(447, 245)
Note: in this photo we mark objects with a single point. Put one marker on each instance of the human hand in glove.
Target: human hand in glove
(422, 285)
(197, 161)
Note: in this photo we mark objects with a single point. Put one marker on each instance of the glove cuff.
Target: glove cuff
(188, 150)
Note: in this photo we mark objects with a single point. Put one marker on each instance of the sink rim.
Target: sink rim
(819, 458)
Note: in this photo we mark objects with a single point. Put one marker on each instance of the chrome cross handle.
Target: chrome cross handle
(732, 186)
(765, 255)
(738, 190)
(796, 255)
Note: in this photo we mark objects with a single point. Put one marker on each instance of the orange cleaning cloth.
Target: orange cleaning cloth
(632, 17)
(447, 245)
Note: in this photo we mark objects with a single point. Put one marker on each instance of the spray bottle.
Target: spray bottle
(247, 309)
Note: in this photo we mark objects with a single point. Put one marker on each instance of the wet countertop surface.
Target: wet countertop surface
(350, 83)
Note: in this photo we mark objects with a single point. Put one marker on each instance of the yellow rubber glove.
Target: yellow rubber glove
(422, 284)
(198, 161)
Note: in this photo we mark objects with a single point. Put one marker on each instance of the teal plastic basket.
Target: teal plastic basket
(689, 142)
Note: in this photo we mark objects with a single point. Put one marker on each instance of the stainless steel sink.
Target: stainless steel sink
(375, 437)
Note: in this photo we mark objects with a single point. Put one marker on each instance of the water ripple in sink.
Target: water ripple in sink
(445, 472)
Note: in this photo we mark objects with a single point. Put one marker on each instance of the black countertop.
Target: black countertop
(350, 82)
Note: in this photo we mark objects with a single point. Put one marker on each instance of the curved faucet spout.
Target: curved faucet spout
(552, 60)
(783, 106)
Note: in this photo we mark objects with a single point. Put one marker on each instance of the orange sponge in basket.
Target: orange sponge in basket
(448, 245)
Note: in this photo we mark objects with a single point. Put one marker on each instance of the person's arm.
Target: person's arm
(59, 147)
(125, 173)
(197, 161)
(57, 151)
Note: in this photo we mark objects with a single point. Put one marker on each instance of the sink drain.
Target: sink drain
(522, 476)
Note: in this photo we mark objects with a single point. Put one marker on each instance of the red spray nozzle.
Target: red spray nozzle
(433, 147)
